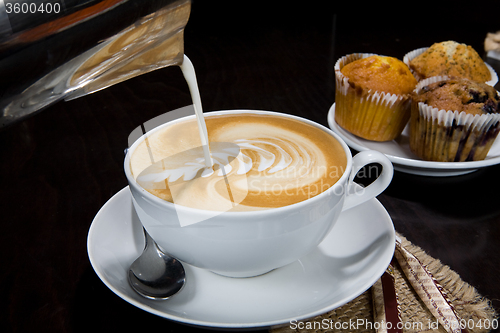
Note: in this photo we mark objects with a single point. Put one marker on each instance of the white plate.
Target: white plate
(352, 257)
(398, 151)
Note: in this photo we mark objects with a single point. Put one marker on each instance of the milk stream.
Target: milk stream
(266, 161)
(279, 158)
(190, 76)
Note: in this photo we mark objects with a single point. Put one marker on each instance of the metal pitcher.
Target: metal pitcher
(82, 46)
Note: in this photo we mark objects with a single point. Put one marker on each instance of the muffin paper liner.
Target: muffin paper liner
(450, 136)
(369, 114)
(413, 54)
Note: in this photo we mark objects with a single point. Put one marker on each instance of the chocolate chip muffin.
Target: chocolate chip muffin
(459, 94)
(453, 119)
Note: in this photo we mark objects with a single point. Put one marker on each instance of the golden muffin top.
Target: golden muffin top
(380, 73)
(459, 94)
(452, 59)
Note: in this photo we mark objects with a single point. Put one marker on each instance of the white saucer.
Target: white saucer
(352, 257)
(398, 151)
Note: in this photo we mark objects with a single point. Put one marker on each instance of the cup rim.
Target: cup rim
(278, 210)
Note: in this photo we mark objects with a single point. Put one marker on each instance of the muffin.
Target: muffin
(453, 119)
(451, 59)
(372, 98)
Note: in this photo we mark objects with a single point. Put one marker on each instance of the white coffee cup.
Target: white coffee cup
(250, 243)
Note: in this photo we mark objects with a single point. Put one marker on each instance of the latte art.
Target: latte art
(266, 157)
(259, 162)
(190, 164)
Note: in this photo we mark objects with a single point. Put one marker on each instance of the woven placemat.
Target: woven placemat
(476, 313)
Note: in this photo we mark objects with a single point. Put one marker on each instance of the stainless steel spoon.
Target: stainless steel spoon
(156, 275)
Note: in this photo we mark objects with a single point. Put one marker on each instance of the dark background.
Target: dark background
(60, 166)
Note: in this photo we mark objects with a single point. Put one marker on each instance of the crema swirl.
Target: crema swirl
(260, 161)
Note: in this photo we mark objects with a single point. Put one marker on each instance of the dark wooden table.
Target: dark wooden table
(60, 166)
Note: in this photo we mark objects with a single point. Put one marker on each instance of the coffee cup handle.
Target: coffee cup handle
(356, 195)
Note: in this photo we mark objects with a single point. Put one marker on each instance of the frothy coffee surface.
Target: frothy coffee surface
(260, 162)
